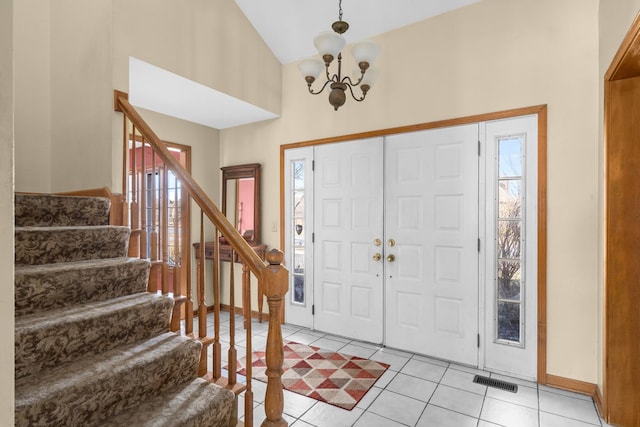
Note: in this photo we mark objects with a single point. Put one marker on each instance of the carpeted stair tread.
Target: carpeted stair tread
(47, 245)
(50, 338)
(52, 286)
(48, 210)
(197, 404)
(91, 345)
(100, 386)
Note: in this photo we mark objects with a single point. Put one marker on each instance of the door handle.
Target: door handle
(377, 256)
(391, 258)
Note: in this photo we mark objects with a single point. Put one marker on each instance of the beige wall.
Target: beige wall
(7, 372)
(71, 54)
(33, 106)
(63, 98)
(209, 41)
(490, 56)
(615, 18)
(81, 94)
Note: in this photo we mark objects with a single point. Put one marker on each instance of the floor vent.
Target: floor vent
(502, 385)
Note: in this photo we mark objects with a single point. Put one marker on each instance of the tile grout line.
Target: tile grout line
(538, 395)
(417, 358)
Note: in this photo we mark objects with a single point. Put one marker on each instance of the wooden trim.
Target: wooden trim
(569, 384)
(618, 398)
(413, 128)
(282, 178)
(599, 402)
(626, 62)
(90, 192)
(605, 354)
(542, 243)
(283, 308)
(245, 171)
(541, 111)
(116, 104)
(621, 318)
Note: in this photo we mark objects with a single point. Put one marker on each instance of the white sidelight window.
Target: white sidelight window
(509, 232)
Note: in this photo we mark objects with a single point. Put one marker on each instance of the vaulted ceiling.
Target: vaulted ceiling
(288, 28)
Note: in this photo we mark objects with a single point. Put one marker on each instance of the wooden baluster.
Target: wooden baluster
(177, 238)
(143, 204)
(217, 348)
(126, 167)
(275, 287)
(153, 279)
(202, 306)
(189, 289)
(246, 306)
(176, 285)
(188, 306)
(164, 228)
(232, 323)
(134, 241)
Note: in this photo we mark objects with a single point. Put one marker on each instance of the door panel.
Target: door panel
(432, 215)
(348, 288)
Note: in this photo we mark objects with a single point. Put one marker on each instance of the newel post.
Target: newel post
(276, 283)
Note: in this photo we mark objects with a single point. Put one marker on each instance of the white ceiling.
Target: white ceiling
(288, 28)
(162, 91)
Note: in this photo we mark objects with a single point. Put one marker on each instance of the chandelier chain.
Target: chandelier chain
(339, 10)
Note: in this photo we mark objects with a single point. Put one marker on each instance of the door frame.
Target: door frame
(621, 188)
(541, 112)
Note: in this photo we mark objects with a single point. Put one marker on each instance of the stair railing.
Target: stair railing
(141, 215)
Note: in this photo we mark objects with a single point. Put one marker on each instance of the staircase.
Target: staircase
(92, 346)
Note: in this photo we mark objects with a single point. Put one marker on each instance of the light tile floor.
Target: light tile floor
(417, 391)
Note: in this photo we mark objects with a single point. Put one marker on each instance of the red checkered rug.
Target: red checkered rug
(334, 378)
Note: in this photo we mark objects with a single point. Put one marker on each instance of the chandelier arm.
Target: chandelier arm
(347, 80)
(335, 78)
(353, 96)
(320, 91)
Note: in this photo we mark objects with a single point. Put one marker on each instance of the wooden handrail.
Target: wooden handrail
(272, 276)
(248, 255)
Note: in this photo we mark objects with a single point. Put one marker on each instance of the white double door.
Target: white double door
(396, 241)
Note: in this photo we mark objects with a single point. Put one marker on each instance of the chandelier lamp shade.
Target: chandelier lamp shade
(330, 45)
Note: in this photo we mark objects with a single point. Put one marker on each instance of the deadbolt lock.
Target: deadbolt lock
(377, 242)
(391, 243)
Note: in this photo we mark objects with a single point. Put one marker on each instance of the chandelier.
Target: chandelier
(329, 45)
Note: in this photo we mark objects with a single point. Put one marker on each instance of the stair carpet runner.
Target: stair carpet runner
(92, 346)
